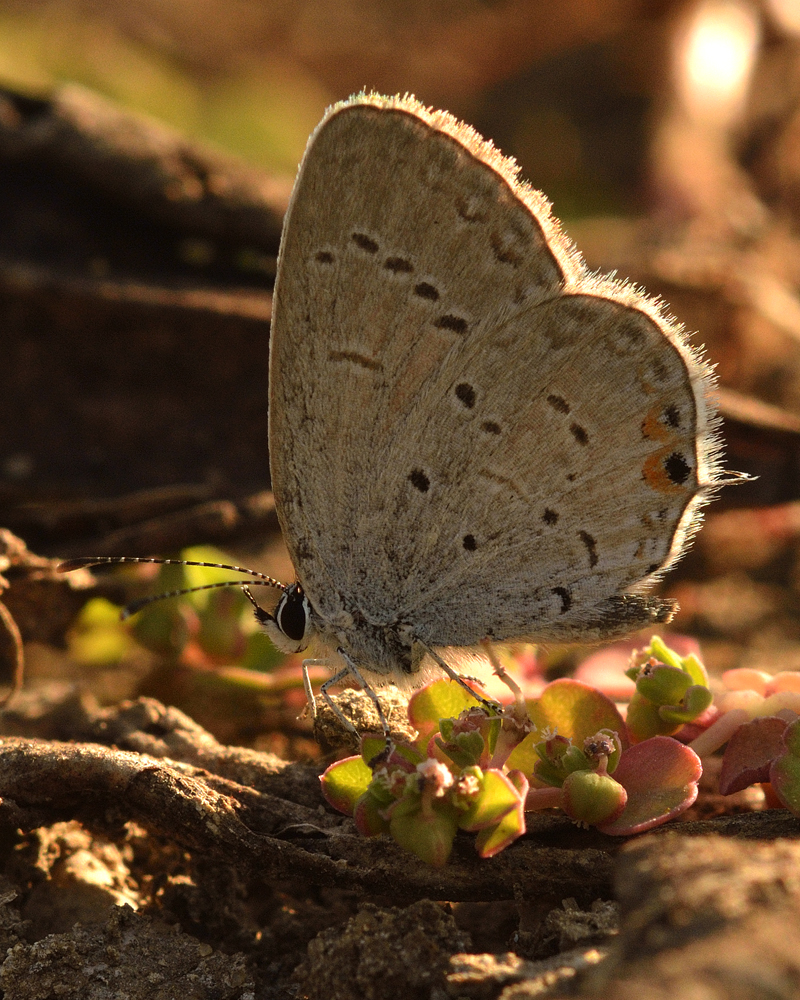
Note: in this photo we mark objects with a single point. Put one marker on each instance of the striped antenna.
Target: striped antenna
(257, 579)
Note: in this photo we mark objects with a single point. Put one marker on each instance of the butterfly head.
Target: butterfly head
(290, 628)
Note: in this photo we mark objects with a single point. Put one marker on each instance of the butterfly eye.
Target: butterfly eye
(292, 613)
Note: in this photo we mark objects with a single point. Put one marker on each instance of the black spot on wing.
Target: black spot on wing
(399, 265)
(558, 403)
(591, 546)
(550, 516)
(419, 480)
(469, 543)
(361, 360)
(364, 242)
(426, 291)
(566, 598)
(466, 394)
(579, 433)
(450, 322)
(677, 468)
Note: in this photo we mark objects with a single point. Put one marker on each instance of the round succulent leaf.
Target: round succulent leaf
(696, 700)
(443, 699)
(644, 721)
(464, 750)
(660, 776)
(663, 685)
(750, 752)
(344, 782)
(368, 815)
(784, 774)
(524, 756)
(405, 755)
(591, 798)
(575, 710)
(425, 828)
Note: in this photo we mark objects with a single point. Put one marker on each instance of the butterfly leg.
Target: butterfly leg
(312, 701)
(501, 672)
(490, 705)
(354, 672)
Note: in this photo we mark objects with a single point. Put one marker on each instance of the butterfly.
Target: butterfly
(472, 437)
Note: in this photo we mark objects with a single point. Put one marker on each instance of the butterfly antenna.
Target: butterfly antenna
(258, 579)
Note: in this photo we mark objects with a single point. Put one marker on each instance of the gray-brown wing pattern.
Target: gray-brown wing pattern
(468, 432)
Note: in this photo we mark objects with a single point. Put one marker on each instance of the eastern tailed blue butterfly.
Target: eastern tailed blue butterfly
(471, 436)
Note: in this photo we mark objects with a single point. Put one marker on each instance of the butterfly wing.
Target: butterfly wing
(469, 434)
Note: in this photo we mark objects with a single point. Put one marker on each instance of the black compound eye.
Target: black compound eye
(291, 614)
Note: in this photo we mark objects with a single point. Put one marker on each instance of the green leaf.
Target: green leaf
(591, 798)
(344, 782)
(695, 669)
(443, 699)
(99, 637)
(368, 815)
(427, 829)
(524, 756)
(464, 750)
(695, 702)
(644, 720)
(784, 774)
(493, 839)
(498, 795)
(663, 685)
(575, 710)
(555, 770)
(660, 651)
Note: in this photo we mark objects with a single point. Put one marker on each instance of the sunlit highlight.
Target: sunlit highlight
(716, 57)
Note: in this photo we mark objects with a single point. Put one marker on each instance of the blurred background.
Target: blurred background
(147, 153)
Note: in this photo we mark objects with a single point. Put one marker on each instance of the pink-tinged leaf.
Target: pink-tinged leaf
(605, 670)
(427, 829)
(660, 776)
(498, 796)
(746, 679)
(749, 754)
(720, 731)
(786, 680)
(493, 839)
(520, 782)
(543, 798)
(368, 816)
(344, 782)
(785, 771)
(575, 710)
(591, 798)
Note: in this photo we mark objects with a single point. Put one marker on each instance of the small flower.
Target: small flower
(436, 778)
